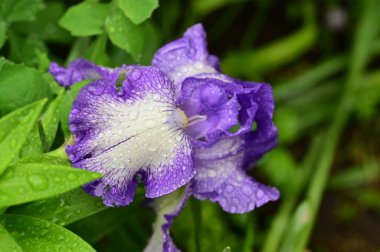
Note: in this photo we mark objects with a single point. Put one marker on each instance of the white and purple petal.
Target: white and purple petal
(187, 56)
(220, 177)
(130, 130)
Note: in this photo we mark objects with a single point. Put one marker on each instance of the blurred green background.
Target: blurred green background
(322, 59)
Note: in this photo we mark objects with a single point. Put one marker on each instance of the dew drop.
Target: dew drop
(73, 127)
(72, 176)
(211, 173)
(259, 194)
(38, 182)
(133, 115)
(13, 143)
(95, 90)
(153, 147)
(134, 75)
(75, 111)
(150, 123)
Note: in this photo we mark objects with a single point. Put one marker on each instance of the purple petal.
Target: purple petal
(255, 105)
(167, 207)
(135, 129)
(211, 110)
(187, 56)
(78, 70)
(220, 177)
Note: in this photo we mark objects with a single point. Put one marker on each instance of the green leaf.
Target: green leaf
(97, 51)
(46, 24)
(85, 19)
(39, 177)
(3, 33)
(7, 243)
(138, 10)
(14, 130)
(63, 209)
(20, 10)
(25, 49)
(20, 85)
(43, 134)
(40, 235)
(134, 217)
(66, 104)
(125, 34)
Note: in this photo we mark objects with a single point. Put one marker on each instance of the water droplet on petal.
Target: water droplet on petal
(134, 75)
(133, 115)
(259, 194)
(153, 147)
(95, 90)
(75, 111)
(73, 127)
(211, 173)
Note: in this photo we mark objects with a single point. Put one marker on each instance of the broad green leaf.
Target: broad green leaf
(46, 24)
(13, 138)
(66, 104)
(43, 134)
(7, 243)
(63, 209)
(3, 33)
(20, 10)
(39, 235)
(85, 19)
(125, 34)
(138, 10)
(20, 85)
(39, 177)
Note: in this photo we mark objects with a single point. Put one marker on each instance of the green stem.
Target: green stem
(197, 216)
(308, 209)
(282, 218)
(59, 152)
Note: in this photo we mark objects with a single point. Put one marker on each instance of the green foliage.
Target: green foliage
(39, 235)
(43, 134)
(85, 19)
(15, 128)
(7, 243)
(63, 209)
(20, 85)
(138, 10)
(21, 10)
(40, 177)
(3, 35)
(125, 34)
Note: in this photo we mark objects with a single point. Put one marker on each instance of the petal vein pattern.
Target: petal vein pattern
(134, 130)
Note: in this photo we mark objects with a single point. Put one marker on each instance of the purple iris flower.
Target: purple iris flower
(170, 125)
